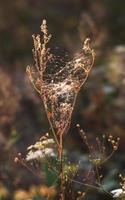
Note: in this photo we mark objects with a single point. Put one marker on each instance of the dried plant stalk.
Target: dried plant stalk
(58, 81)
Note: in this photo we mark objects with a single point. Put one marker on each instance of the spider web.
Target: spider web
(62, 79)
(58, 81)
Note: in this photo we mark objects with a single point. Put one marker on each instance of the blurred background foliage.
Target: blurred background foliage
(100, 106)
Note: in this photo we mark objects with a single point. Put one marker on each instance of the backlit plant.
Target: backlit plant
(58, 79)
(58, 82)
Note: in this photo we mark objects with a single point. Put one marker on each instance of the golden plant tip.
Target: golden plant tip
(28, 68)
(44, 22)
(16, 160)
(87, 39)
(86, 42)
(33, 36)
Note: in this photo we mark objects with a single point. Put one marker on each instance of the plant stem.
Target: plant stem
(61, 167)
(97, 173)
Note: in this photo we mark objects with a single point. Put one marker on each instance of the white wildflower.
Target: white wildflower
(117, 193)
(48, 141)
(40, 154)
(41, 144)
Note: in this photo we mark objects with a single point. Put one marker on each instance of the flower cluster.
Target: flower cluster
(41, 149)
(98, 153)
(120, 192)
